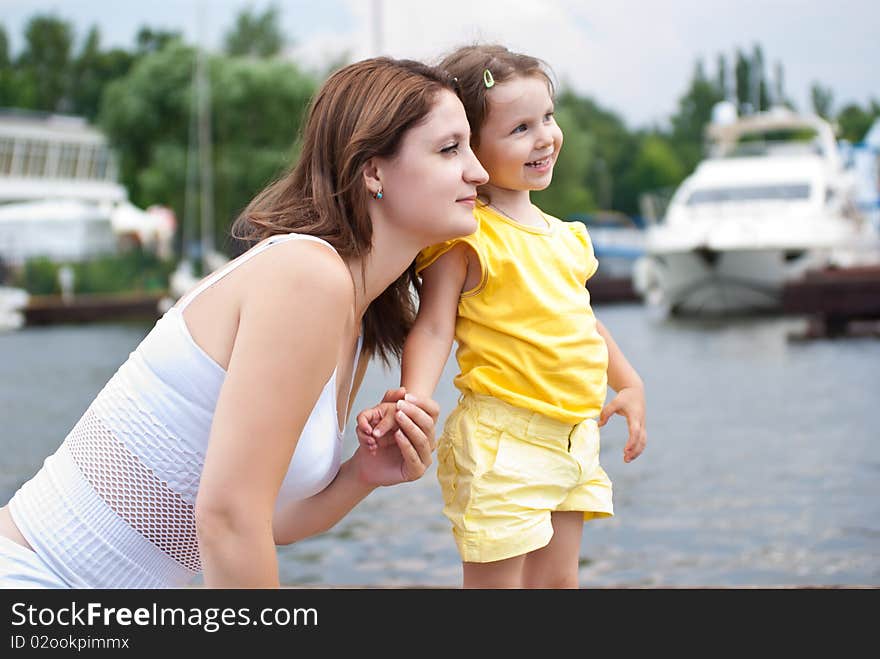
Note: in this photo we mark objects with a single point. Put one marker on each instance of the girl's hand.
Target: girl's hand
(376, 425)
(409, 456)
(629, 403)
(368, 431)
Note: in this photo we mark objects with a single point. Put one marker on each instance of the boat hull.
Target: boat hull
(703, 281)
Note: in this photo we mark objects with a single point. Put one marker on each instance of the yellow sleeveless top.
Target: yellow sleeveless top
(526, 334)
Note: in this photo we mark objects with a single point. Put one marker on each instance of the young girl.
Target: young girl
(518, 461)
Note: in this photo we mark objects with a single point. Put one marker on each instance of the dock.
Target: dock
(837, 301)
(52, 309)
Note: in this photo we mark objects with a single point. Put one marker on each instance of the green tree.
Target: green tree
(45, 63)
(760, 94)
(92, 70)
(779, 95)
(743, 83)
(694, 113)
(750, 82)
(148, 109)
(822, 99)
(657, 165)
(149, 40)
(15, 89)
(88, 85)
(611, 151)
(255, 34)
(256, 106)
(7, 84)
(722, 84)
(855, 121)
(5, 60)
(257, 118)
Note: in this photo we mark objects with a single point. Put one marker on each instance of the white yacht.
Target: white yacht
(773, 199)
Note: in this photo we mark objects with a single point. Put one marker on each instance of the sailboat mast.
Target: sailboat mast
(378, 46)
(187, 252)
(206, 187)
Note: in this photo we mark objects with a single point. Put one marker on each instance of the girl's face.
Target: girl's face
(430, 185)
(519, 139)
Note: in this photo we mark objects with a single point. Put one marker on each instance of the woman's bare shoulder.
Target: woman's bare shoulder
(300, 268)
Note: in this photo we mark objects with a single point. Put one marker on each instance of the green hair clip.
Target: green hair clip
(488, 80)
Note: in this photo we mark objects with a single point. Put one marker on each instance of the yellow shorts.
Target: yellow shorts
(504, 469)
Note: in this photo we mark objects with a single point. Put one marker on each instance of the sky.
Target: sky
(633, 57)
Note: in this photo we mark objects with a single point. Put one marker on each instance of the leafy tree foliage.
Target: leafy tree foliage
(855, 121)
(143, 99)
(822, 99)
(254, 34)
(45, 64)
(256, 110)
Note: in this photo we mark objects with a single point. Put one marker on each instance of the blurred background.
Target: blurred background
(724, 157)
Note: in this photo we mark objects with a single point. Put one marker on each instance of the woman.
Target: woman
(221, 435)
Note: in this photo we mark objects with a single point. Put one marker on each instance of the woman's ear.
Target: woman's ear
(372, 177)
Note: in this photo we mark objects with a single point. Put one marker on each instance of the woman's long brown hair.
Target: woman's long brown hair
(362, 111)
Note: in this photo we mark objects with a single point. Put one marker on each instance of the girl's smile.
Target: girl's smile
(541, 165)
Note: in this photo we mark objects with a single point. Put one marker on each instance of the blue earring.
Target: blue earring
(376, 195)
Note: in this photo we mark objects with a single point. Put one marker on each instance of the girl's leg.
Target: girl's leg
(507, 573)
(556, 565)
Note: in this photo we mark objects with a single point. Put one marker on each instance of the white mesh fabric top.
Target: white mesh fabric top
(113, 507)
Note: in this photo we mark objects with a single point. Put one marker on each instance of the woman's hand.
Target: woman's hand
(410, 455)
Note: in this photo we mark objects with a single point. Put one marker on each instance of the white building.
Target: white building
(59, 195)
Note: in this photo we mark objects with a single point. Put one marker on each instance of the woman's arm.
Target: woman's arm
(318, 513)
(405, 460)
(280, 362)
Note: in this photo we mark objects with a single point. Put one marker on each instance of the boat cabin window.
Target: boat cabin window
(777, 192)
(782, 142)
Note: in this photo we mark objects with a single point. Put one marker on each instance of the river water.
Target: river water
(762, 466)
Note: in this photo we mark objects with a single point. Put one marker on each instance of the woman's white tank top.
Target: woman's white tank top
(114, 506)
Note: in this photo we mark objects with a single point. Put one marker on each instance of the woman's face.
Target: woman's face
(429, 187)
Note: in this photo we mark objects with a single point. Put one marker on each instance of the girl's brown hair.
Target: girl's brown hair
(362, 111)
(468, 66)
